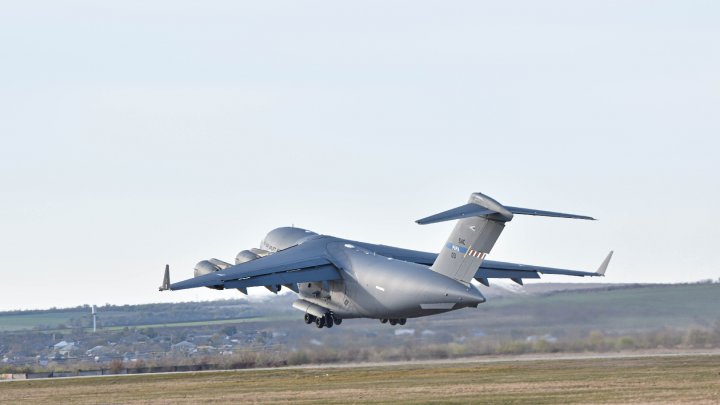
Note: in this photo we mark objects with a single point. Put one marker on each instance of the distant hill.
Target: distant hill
(548, 307)
(508, 288)
(611, 307)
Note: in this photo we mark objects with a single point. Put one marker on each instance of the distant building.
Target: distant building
(64, 348)
(42, 360)
(546, 338)
(95, 350)
(184, 346)
(102, 353)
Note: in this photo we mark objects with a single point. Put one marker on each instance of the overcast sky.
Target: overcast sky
(139, 133)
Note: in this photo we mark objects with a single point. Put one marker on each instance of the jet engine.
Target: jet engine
(245, 256)
(209, 266)
(282, 238)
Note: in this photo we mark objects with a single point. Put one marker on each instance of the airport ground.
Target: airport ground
(593, 379)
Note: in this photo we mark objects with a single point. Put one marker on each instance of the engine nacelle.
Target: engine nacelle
(210, 266)
(245, 256)
(283, 238)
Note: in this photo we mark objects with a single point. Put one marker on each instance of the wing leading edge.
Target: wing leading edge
(307, 262)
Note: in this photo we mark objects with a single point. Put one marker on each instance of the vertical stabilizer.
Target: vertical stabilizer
(480, 223)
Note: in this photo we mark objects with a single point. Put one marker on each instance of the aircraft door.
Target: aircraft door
(341, 297)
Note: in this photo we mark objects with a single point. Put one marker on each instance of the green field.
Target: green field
(607, 308)
(617, 309)
(675, 379)
(49, 322)
(214, 322)
(35, 320)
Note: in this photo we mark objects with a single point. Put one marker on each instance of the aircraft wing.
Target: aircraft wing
(488, 268)
(516, 272)
(408, 255)
(307, 262)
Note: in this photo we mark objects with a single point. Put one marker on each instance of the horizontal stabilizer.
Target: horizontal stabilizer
(540, 213)
(464, 211)
(481, 205)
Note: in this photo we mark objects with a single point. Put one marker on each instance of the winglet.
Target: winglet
(603, 267)
(166, 279)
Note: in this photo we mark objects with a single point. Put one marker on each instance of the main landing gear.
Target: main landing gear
(399, 321)
(328, 320)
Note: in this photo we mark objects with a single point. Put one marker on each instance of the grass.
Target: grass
(684, 379)
(213, 322)
(30, 321)
(632, 308)
(14, 323)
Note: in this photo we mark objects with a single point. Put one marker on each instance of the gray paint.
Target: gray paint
(350, 279)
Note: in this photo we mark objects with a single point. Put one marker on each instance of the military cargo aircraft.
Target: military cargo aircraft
(339, 279)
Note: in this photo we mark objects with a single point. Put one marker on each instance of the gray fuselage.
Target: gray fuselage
(375, 286)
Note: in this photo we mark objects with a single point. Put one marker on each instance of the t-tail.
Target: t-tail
(480, 223)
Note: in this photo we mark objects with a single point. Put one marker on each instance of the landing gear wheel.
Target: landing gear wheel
(320, 321)
(383, 321)
(328, 321)
(402, 321)
(393, 322)
(336, 319)
(309, 318)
